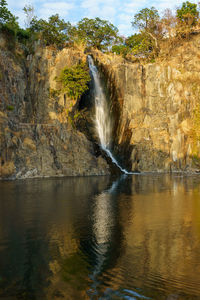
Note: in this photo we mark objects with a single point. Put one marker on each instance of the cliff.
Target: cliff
(157, 109)
(36, 137)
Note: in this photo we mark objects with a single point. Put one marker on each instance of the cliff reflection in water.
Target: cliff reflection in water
(90, 238)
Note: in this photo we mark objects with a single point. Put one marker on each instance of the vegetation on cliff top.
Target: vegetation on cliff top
(151, 28)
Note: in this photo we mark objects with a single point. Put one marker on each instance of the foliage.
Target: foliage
(146, 20)
(53, 93)
(188, 13)
(74, 80)
(148, 23)
(139, 43)
(6, 17)
(23, 35)
(96, 32)
(9, 35)
(53, 32)
(120, 49)
(74, 117)
(8, 25)
(10, 107)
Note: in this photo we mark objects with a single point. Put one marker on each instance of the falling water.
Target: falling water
(103, 122)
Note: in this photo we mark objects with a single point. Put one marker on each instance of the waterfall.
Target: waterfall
(103, 120)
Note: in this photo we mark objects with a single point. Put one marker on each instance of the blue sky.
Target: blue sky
(118, 12)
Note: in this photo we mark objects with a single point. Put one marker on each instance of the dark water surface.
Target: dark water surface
(136, 237)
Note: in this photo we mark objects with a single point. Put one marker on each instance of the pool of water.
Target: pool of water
(132, 237)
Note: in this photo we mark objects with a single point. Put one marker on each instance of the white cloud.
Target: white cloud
(124, 21)
(105, 9)
(62, 8)
(16, 4)
(133, 7)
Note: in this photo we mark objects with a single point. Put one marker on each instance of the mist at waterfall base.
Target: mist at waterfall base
(93, 238)
(103, 118)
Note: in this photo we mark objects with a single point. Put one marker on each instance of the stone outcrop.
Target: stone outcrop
(36, 137)
(158, 109)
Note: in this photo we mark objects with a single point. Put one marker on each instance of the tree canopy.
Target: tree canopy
(152, 30)
(139, 43)
(188, 13)
(6, 17)
(53, 31)
(146, 20)
(96, 32)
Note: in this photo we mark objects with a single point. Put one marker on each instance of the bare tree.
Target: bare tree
(29, 12)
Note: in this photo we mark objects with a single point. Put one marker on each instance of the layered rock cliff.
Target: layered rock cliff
(36, 137)
(157, 109)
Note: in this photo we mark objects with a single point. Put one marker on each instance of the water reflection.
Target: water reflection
(107, 235)
(137, 237)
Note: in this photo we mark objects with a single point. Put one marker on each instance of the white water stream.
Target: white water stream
(103, 123)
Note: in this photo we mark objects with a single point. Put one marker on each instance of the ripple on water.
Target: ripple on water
(94, 238)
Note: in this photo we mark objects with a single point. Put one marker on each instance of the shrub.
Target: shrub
(10, 107)
(75, 80)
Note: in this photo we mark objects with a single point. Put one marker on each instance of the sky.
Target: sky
(118, 12)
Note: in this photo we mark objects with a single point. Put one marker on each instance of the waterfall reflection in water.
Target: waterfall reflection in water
(91, 238)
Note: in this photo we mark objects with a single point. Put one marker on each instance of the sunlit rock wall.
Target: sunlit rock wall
(36, 137)
(158, 109)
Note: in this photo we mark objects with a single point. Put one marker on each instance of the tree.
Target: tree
(139, 43)
(147, 21)
(120, 49)
(74, 80)
(53, 32)
(188, 13)
(168, 23)
(8, 25)
(6, 17)
(97, 33)
(29, 12)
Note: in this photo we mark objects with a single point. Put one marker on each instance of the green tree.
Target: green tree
(147, 21)
(188, 13)
(8, 25)
(23, 35)
(75, 80)
(120, 49)
(97, 33)
(6, 17)
(53, 32)
(139, 43)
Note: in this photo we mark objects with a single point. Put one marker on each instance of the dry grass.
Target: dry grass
(28, 143)
(7, 169)
(80, 45)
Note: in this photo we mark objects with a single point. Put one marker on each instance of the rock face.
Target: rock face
(36, 137)
(158, 109)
